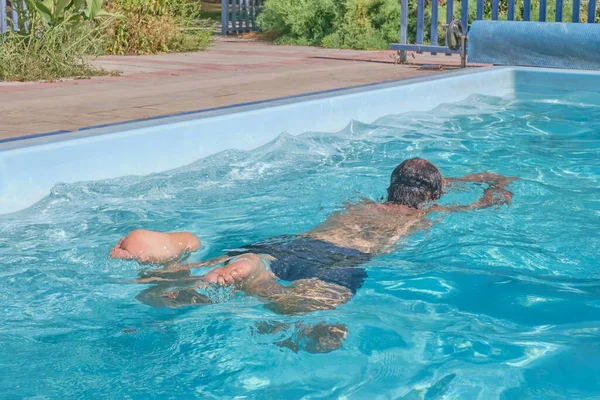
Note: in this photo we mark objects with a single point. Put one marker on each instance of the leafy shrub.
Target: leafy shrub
(364, 25)
(302, 22)
(184, 11)
(153, 26)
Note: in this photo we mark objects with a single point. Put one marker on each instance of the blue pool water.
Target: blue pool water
(499, 303)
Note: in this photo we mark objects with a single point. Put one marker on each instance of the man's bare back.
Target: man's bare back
(370, 227)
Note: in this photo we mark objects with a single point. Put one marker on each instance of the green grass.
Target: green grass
(51, 53)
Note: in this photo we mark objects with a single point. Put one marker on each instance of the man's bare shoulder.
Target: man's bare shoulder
(374, 208)
(369, 205)
(386, 216)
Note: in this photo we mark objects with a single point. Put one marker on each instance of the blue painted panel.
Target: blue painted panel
(464, 14)
(559, 10)
(576, 10)
(15, 18)
(526, 10)
(434, 23)
(511, 10)
(449, 11)
(3, 25)
(542, 11)
(224, 17)
(495, 10)
(234, 15)
(420, 20)
(404, 22)
(592, 11)
(479, 9)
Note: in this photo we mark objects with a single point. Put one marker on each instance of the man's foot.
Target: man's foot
(120, 251)
(149, 247)
(243, 272)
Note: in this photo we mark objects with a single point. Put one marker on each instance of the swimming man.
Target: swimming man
(322, 265)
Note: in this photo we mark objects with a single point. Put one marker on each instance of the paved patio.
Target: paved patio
(231, 72)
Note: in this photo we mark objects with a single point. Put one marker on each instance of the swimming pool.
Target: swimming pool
(496, 303)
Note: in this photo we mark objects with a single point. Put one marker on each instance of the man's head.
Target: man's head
(414, 182)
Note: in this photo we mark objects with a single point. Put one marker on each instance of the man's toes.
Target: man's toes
(118, 252)
(221, 280)
(227, 279)
(235, 275)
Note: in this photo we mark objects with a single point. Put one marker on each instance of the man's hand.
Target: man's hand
(495, 194)
(496, 197)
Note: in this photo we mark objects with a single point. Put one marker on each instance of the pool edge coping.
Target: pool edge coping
(102, 129)
(112, 127)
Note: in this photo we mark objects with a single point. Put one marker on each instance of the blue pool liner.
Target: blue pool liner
(535, 44)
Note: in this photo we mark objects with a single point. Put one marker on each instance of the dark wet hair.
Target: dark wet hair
(414, 182)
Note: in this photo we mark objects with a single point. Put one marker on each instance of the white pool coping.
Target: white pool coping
(30, 167)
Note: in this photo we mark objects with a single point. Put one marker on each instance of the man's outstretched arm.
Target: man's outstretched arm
(491, 178)
(495, 194)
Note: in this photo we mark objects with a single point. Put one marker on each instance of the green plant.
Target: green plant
(50, 52)
(366, 24)
(303, 22)
(54, 12)
(182, 10)
(153, 26)
(50, 13)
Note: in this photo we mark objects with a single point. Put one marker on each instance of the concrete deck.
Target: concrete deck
(231, 72)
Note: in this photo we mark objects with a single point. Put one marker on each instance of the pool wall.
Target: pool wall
(29, 168)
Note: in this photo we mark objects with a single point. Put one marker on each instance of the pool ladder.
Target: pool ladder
(456, 39)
